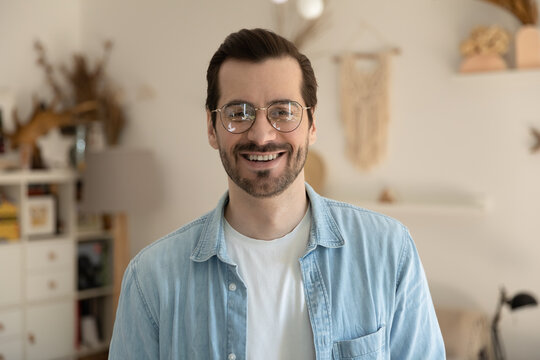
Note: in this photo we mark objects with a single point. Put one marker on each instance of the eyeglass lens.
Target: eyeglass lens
(284, 116)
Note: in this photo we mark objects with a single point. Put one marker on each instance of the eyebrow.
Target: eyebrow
(239, 101)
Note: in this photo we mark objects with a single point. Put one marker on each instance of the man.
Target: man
(275, 271)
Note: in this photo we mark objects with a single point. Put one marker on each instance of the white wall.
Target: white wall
(56, 23)
(450, 134)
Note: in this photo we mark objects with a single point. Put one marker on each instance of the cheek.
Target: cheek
(224, 141)
(301, 138)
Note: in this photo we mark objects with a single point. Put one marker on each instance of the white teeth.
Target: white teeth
(262, 157)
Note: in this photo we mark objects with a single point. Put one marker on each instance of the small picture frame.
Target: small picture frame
(41, 217)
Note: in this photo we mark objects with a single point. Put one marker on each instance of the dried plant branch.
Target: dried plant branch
(101, 63)
(88, 85)
(525, 10)
(49, 73)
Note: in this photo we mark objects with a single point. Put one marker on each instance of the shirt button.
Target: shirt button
(231, 356)
(232, 287)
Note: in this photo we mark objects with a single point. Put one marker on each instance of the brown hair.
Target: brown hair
(258, 45)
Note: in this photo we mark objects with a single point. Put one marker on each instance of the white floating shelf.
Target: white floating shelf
(36, 176)
(434, 208)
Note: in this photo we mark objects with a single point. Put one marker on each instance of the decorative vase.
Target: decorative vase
(528, 47)
(482, 62)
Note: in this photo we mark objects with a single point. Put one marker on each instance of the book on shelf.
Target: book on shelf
(94, 268)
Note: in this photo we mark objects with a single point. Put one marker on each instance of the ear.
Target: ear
(313, 129)
(211, 131)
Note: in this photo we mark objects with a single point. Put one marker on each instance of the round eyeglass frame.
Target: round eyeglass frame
(219, 110)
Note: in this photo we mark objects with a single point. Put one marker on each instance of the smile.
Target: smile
(259, 157)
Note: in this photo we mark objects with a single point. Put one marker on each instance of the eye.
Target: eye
(283, 112)
(238, 112)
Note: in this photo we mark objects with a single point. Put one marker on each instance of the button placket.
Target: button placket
(236, 315)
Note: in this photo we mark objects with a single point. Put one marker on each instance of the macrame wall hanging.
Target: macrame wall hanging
(365, 106)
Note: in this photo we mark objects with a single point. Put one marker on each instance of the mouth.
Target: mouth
(262, 157)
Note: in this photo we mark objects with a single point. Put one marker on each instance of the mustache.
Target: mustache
(252, 147)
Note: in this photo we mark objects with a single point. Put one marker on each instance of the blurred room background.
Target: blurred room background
(459, 169)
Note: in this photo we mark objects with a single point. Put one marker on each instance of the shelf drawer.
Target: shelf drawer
(10, 274)
(50, 255)
(50, 331)
(49, 285)
(11, 349)
(10, 323)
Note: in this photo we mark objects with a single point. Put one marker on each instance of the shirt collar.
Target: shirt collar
(324, 230)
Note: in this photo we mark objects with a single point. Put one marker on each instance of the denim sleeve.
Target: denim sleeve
(415, 332)
(135, 334)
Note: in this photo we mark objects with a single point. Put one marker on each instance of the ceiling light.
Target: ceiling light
(310, 9)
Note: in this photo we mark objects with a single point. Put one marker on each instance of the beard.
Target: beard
(265, 185)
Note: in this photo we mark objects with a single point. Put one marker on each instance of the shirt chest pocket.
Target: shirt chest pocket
(368, 347)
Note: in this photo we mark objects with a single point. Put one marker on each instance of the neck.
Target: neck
(267, 218)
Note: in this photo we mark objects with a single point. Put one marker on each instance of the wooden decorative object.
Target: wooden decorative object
(387, 196)
(484, 62)
(528, 37)
(528, 47)
(484, 48)
(536, 134)
(121, 253)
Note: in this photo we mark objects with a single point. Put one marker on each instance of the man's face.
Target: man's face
(261, 84)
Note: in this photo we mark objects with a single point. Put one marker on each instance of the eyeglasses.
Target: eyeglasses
(284, 115)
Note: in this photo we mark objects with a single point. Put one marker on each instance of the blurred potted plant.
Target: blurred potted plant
(88, 99)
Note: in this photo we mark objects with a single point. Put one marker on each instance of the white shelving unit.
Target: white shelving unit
(39, 297)
(38, 273)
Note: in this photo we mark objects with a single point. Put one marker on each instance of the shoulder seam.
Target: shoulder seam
(402, 255)
(174, 233)
(143, 299)
(360, 209)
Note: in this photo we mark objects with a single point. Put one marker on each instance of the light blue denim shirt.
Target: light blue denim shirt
(364, 284)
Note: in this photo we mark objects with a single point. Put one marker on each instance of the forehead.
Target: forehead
(260, 82)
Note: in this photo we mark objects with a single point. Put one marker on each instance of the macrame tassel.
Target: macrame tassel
(365, 109)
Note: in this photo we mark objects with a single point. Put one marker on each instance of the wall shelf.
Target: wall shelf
(92, 235)
(94, 293)
(513, 72)
(427, 208)
(36, 176)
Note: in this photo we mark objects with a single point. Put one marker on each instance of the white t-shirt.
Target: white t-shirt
(278, 325)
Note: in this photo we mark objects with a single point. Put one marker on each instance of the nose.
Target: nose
(261, 132)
